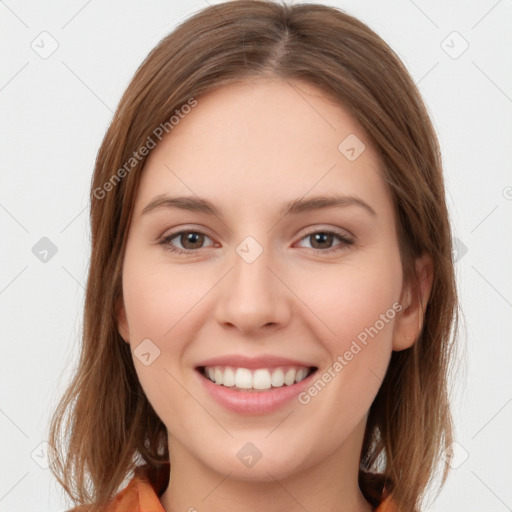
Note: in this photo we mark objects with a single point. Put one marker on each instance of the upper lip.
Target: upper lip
(264, 361)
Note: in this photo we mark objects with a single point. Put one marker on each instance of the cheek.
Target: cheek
(359, 306)
(163, 304)
(349, 298)
(159, 302)
(157, 298)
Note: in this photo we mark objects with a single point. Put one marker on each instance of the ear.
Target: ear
(414, 303)
(122, 322)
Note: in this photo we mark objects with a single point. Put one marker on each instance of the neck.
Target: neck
(329, 485)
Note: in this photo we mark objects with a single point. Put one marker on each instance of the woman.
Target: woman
(271, 294)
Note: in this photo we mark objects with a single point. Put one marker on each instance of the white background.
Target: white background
(54, 113)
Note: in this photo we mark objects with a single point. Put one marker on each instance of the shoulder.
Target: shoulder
(140, 495)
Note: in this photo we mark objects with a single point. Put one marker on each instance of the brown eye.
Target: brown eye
(184, 241)
(191, 240)
(322, 241)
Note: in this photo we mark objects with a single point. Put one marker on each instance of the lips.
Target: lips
(254, 363)
(259, 398)
(254, 385)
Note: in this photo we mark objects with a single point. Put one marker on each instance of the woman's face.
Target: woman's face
(260, 280)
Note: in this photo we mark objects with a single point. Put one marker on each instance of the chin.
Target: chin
(259, 462)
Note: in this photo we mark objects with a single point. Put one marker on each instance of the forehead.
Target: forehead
(269, 140)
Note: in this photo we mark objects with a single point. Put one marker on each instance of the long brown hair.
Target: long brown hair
(109, 426)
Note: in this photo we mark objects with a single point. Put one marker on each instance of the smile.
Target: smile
(252, 392)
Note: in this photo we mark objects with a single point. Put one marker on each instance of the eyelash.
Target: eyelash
(342, 238)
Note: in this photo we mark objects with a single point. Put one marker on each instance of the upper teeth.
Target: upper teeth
(263, 378)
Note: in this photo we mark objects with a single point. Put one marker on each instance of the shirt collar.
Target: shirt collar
(144, 490)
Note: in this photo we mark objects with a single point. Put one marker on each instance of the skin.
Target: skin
(248, 148)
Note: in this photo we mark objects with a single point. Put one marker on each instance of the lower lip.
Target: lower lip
(254, 402)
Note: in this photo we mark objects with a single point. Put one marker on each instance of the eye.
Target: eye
(322, 240)
(189, 240)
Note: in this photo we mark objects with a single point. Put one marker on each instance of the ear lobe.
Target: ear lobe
(122, 322)
(414, 301)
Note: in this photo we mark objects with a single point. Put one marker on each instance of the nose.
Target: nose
(252, 296)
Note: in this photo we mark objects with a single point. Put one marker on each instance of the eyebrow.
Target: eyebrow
(294, 207)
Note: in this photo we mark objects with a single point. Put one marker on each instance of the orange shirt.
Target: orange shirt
(142, 495)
